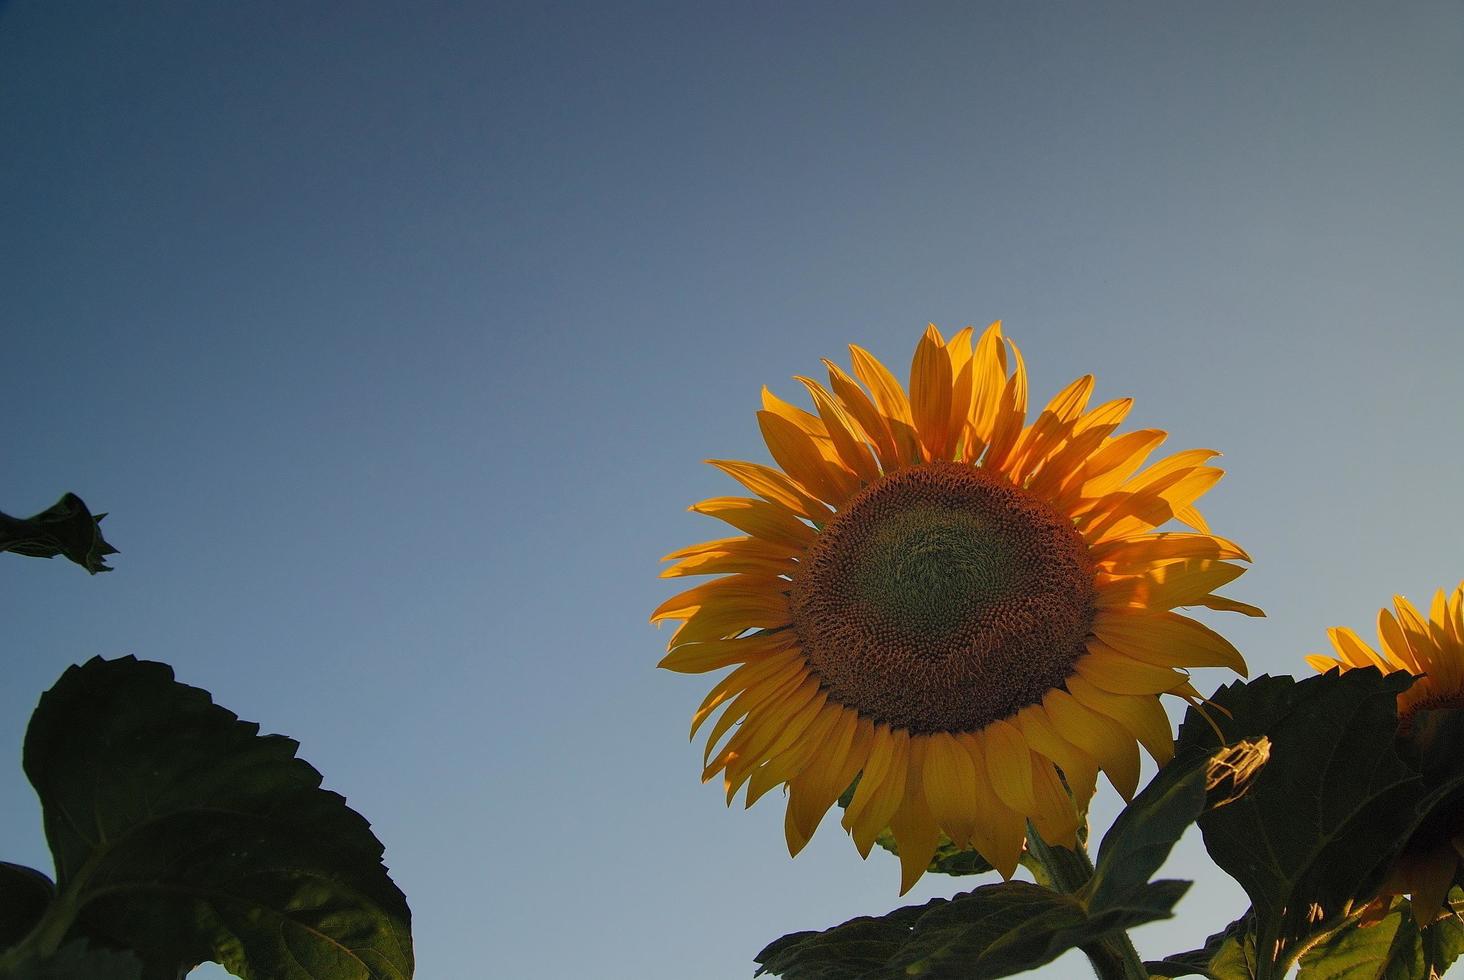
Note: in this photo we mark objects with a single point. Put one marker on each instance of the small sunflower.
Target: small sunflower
(969, 612)
(1432, 650)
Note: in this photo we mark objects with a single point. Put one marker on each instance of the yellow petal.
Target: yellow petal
(1190, 515)
(1438, 621)
(1395, 644)
(1416, 632)
(811, 425)
(989, 378)
(749, 708)
(698, 658)
(1110, 466)
(1176, 583)
(1009, 765)
(1159, 473)
(879, 804)
(958, 349)
(734, 546)
(761, 519)
(1069, 457)
(893, 405)
(773, 486)
(797, 456)
(1454, 616)
(1140, 552)
(1077, 766)
(730, 555)
(1011, 415)
(756, 699)
(1228, 605)
(732, 618)
(930, 394)
(1116, 751)
(949, 781)
(1354, 652)
(858, 406)
(784, 663)
(795, 758)
(999, 831)
(1166, 639)
(912, 824)
(1126, 511)
(876, 767)
(814, 790)
(718, 592)
(1055, 817)
(1140, 715)
(1051, 428)
(767, 730)
(844, 432)
(1124, 675)
(730, 564)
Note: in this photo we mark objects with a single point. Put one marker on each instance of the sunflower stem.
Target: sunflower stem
(1062, 870)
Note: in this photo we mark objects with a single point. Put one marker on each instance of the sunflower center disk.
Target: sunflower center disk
(942, 599)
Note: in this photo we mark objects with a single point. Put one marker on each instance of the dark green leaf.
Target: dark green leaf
(1148, 828)
(1392, 949)
(1443, 942)
(994, 931)
(65, 528)
(181, 832)
(854, 949)
(1333, 805)
(1387, 950)
(1227, 955)
(77, 961)
(1000, 930)
(24, 895)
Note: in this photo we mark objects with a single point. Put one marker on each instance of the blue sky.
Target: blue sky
(392, 337)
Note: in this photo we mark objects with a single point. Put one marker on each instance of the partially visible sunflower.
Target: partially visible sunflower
(970, 613)
(1432, 650)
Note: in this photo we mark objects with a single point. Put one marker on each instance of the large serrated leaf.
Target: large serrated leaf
(854, 949)
(78, 961)
(1004, 929)
(1332, 806)
(1391, 949)
(180, 832)
(1226, 955)
(1147, 829)
(994, 931)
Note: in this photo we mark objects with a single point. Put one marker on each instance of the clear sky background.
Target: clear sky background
(393, 335)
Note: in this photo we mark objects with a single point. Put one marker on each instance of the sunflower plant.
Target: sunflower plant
(950, 616)
(179, 834)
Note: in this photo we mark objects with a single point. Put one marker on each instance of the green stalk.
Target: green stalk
(1068, 871)
(46, 936)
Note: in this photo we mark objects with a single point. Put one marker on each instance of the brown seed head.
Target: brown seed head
(942, 598)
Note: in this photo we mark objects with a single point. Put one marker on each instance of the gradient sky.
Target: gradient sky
(392, 336)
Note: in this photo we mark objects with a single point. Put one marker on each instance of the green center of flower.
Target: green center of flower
(942, 599)
(926, 567)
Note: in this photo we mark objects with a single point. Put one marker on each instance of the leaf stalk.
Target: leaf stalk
(1115, 957)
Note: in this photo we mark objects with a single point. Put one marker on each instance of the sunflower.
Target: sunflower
(1432, 650)
(970, 613)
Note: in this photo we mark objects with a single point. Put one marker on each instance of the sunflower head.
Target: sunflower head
(1432, 650)
(969, 610)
